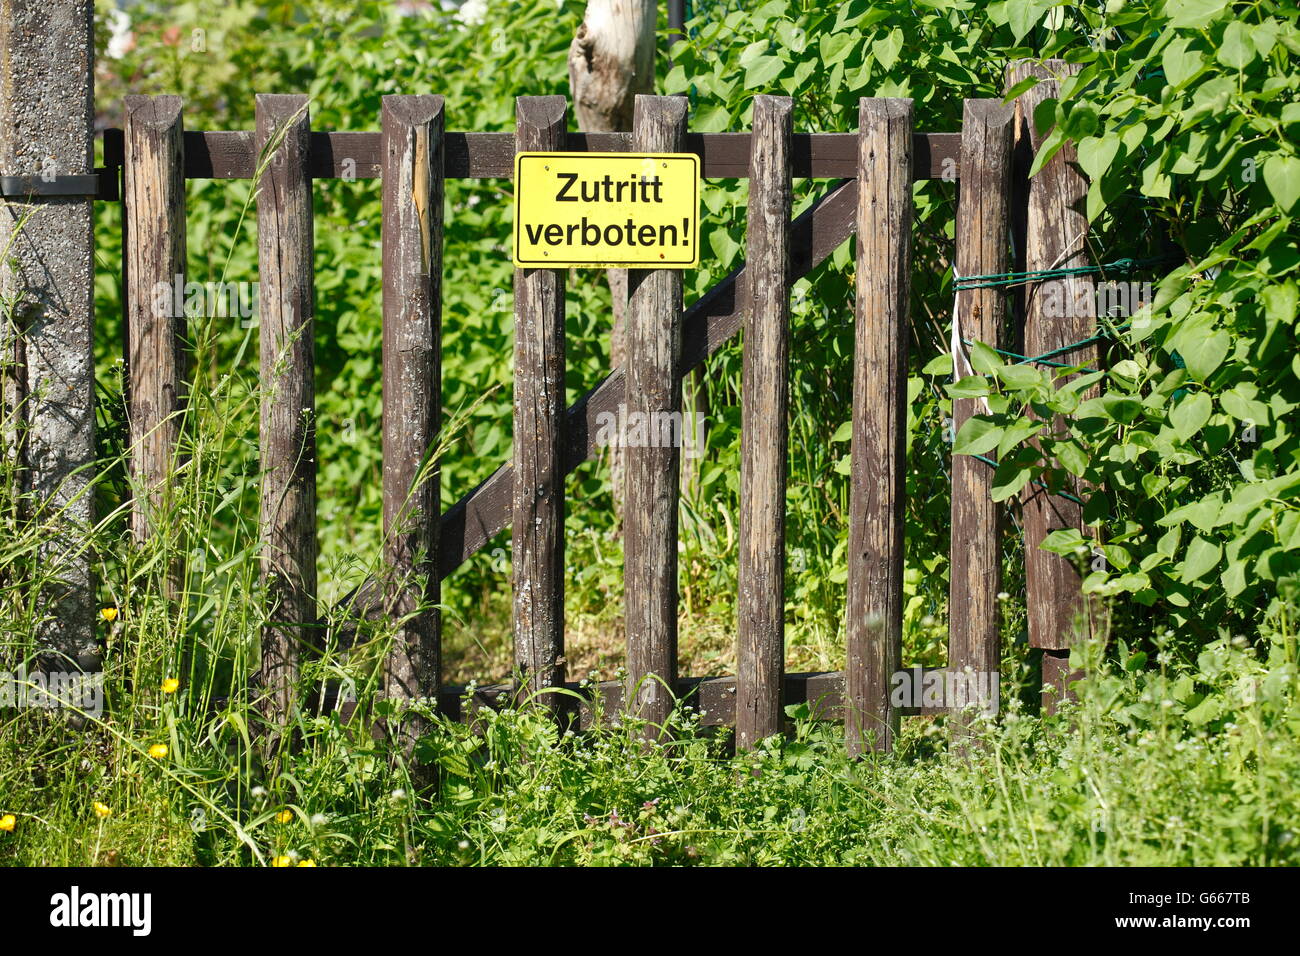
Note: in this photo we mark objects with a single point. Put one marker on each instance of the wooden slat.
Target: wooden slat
(1056, 313)
(539, 406)
(874, 616)
(982, 248)
(288, 407)
(712, 321)
(654, 389)
(412, 384)
(155, 270)
(760, 613)
(230, 154)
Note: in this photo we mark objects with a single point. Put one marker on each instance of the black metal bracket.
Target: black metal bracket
(102, 184)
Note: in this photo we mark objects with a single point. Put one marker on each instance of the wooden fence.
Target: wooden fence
(873, 170)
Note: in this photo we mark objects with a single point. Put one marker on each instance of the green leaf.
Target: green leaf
(1020, 376)
(1202, 555)
(1065, 541)
(1236, 49)
(763, 71)
(1121, 409)
(977, 436)
(1022, 15)
(1281, 301)
(1096, 154)
(1193, 13)
(1180, 62)
(1050, 147)
(972, 386)
(941, 364)
(1010, 476)
(1072, 458)
(887, 48)
(1017, 433)
(844, 432)
(1190, 415)
(1282, 176)
(1204, 354)
(835, 47)
(983, 359)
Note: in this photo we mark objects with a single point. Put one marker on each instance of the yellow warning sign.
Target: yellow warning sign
(607, 209)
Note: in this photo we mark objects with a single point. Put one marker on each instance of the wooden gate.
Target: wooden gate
(872, 173)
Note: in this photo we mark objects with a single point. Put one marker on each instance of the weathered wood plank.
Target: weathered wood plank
(230, 154)
(288, 406)
(654, 389)
(539, 419)
(412, 387)
(1056, 313)
(982, 248)
(874, 613)
(760, 612)
(155, 269)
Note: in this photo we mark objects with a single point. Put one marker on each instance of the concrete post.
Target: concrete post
(46, 111)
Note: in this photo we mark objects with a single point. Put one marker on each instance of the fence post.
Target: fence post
(412, 152)
(983, 232)
(1056, 313)
(154, 207)
(288, 408)
(47, 54)
(764, 430)
(654, 389)
(874, 617)
(539, 410)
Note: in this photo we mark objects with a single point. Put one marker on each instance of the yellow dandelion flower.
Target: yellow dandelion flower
(109, 614)
(102, 810)
(307, 863)
(158, 751)
(170, 685)
(282, 861)
(7, 823)
(284, 816)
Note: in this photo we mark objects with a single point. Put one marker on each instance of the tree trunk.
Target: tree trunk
(611, 60)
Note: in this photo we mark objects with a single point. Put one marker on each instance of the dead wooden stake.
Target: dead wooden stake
(974, 637)
(874, 616)
(760, 613)
(412, 381)
(1056, 313)
(288, 407)
(654, 389)
(154, 207)
(539, 441)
